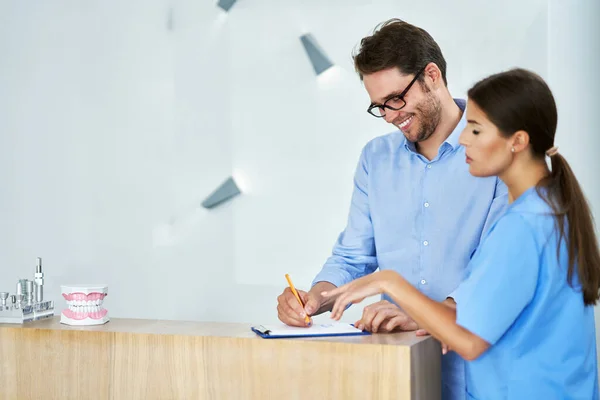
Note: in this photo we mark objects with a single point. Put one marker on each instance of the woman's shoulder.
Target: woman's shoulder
(530, 214)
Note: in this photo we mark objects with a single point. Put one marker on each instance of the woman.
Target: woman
(524, 315)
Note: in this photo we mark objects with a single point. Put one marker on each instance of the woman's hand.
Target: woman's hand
(445, 347)
(449, 302)
(357, 290)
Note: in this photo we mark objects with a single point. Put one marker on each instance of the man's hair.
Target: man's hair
(396, 43)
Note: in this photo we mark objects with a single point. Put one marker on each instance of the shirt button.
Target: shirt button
(423, 281)
(428, 165)
(426, 243)
(426, 205)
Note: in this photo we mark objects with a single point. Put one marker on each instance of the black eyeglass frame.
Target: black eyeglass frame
(398, 97)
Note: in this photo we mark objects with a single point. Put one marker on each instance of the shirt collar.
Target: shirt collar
(452, 140)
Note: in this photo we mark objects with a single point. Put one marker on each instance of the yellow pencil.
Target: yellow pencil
(287, 276)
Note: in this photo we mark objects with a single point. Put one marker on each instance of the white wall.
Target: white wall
(574, 62)
(112, 125)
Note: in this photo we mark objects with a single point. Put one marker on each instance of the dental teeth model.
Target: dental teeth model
(28, 303)
(85, 305)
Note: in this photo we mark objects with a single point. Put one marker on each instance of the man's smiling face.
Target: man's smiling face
(419, 118)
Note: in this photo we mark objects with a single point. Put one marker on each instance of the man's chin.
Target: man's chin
(412, 135)
(416, 138)
(410, 138)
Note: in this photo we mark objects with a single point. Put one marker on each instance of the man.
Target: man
(415, 207)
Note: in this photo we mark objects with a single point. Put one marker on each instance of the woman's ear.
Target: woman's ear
(520, 141)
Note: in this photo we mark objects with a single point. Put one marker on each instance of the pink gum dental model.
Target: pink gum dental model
(84, 305)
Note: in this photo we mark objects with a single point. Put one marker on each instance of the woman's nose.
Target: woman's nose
(462, 139)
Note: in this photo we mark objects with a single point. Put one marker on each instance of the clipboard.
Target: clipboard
(317, 330)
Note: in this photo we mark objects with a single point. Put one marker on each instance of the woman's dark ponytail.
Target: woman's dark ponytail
(567, 200)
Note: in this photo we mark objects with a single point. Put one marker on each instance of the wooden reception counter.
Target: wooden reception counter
(151, 359)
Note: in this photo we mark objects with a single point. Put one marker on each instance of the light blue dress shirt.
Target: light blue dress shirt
(517, 299)
(420, 218)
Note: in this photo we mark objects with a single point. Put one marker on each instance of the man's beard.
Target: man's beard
(430, 114)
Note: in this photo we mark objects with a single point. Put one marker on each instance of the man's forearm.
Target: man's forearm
(326, 304)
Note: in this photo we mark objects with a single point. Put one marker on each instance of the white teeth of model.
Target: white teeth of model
(403, 124)
(84, 306)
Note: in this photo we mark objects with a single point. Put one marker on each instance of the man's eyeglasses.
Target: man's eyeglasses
(394, 103)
